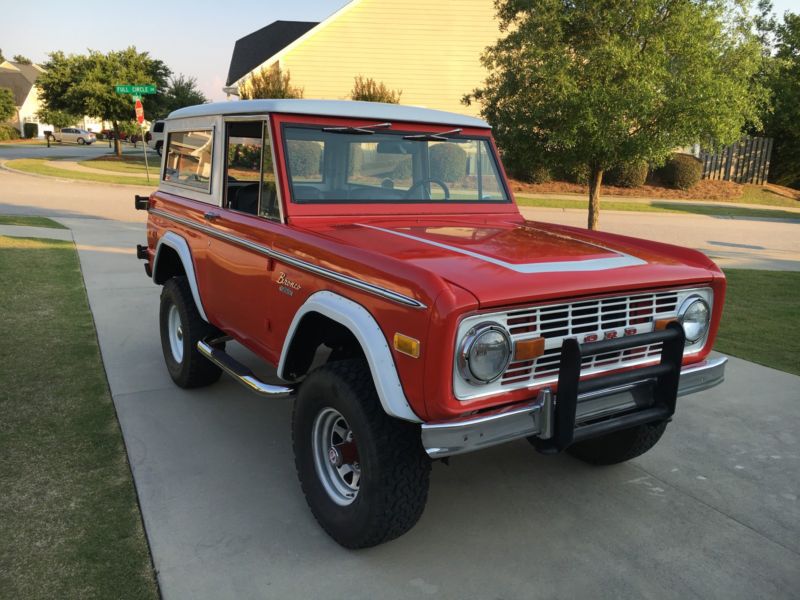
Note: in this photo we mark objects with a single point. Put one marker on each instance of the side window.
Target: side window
(188, 159)
(250, 179)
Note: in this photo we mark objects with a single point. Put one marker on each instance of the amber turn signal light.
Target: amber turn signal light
(661, 324)
(528, 349)
(406, 345)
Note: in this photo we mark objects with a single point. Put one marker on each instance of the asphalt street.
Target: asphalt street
(711, 512)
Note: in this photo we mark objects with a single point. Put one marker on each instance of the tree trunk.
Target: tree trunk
(117, 142)
(595, 180)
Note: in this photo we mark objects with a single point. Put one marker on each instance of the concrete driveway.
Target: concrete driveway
(712, 511)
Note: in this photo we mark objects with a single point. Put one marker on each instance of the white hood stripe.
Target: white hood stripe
(563, 266)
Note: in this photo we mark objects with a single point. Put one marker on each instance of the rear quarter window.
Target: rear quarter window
(189, 159)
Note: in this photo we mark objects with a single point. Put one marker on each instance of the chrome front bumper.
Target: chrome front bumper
(470, 433)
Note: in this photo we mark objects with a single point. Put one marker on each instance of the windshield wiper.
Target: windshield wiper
(432, 137)
(363, 130)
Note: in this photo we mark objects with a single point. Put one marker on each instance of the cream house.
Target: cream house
(430, 50)
(21, 78)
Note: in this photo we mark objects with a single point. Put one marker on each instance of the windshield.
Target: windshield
(336, 165)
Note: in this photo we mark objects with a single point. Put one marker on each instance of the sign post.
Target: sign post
(140, 117)
(136, 92)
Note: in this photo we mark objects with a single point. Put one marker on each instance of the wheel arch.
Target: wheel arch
(174, 258)
(356, 321)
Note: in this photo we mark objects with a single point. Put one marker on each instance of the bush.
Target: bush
(31, 130)
(527, 171)
(629, 175)
(7, 132)
(682, 171)
(575, 174)
(305, 158)
(448, 162)
(368, 90)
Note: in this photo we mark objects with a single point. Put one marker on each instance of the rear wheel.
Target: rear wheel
(181, 328)
(364, 474)
(619, 446)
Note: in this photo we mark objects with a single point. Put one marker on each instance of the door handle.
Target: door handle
(211, 216)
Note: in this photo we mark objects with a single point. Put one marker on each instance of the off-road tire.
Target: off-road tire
(619, 446)
(193, 370)
(395, 471)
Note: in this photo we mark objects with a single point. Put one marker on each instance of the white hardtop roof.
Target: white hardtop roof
(331, 108)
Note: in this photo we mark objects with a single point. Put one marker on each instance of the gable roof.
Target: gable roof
(19, 78)
(254, 49)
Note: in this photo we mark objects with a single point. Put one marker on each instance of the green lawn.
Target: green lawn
(30, 221)
(660, 206)
(757, 194)
(70, 525)
(38, 167)
(127, 164)
(761, 322)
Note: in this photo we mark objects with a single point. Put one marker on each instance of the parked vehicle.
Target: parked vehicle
(155, 137)
(375, 255)
(74, 135)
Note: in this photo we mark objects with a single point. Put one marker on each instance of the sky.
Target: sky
(194, 38)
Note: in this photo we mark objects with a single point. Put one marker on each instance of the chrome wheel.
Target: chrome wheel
(175, 330)
(336, 456)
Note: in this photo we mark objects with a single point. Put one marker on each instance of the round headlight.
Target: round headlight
(485, 353)
(695, 316)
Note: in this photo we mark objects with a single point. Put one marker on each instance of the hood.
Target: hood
(506, 261)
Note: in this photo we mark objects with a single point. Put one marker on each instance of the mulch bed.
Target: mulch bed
(704, 190)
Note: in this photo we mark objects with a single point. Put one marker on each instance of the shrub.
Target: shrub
(7, 132)
(575, 174)
(448, 162)
(369, 90)
(628, 175)
(682, 171)
(528, 171)
(305, 158)
(31, 130)
(403, 169)
(269, 83)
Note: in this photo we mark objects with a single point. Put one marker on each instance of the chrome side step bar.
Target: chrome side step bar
(241, 373)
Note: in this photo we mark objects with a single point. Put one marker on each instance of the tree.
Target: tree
(783, 121)
(182, 91)
(2, 58)
(608, 82)
(57, 118)
(269, 83)
(369, 90)
(18, 58)
(84, 84)
(7, 106)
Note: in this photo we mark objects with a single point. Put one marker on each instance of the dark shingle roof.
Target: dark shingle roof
(254, 49)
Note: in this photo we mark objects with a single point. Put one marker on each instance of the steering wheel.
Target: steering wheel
(422, 182)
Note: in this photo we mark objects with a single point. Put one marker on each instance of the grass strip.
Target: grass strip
(760, 321)
(30, 221)
(38, 167)
(666, 207)
(126, 165)
(70, 525)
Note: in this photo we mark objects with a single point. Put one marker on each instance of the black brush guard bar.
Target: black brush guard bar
(665, 375)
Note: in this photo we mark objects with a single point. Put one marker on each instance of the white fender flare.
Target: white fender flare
(363, 326)
(177, 243)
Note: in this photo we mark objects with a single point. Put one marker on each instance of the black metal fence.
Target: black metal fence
(746, 161)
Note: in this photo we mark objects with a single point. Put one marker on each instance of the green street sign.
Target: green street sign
(135, 89)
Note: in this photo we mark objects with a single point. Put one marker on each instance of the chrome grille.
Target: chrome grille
(555, 322)
(581, 319)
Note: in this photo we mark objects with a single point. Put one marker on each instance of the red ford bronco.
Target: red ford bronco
(375, 255)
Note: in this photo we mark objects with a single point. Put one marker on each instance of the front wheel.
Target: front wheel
(81, 141)
(158, 148)
(181, 328)
(364, 474)
(619, 446)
